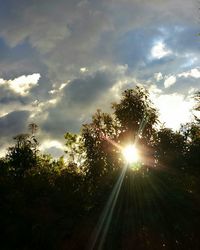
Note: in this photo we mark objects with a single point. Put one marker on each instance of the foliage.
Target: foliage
(171, 148)
(197, 106)
(75, 151)
(133, 120)
(51, 203)
(21, 156)
(136, 114)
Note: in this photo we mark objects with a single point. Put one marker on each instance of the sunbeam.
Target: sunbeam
(100, 232)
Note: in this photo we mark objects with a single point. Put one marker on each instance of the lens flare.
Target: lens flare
(130, 153)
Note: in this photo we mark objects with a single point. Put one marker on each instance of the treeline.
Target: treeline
(48, 203)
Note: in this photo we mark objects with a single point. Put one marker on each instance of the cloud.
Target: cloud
(83, 70)
(21, 85)
(13, 123)
(174, 109)
(87, 52)
(169, 81)
(44, 28)
(53, 147)
(195, 73)
(77, 100)
(184, 80)
(159, 50)
(158, 76)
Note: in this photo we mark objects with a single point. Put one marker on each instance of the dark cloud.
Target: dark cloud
(79, 99)
(64, 122)
(13, 123)
(87, 90)
(8, 96)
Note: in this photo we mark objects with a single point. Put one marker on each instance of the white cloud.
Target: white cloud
(192, 91)
(51, 143)
(53, 147)
(158, 76)
(154, 91)
(83, 70)
(22, 84)
(159, 50)
(169, 81)
(174, 109)
(195, 73)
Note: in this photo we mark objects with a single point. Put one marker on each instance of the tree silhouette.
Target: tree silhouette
(33, 127)
(197, 106)
(21, 156)
(136, 114)
(171, 148)
(57, 203)
(133, 121)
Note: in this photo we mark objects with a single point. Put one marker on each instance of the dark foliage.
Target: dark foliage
(57, 204)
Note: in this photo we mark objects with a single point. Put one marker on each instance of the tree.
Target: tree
(75, 151)
(136, 115)
(171, 148)
(21, 156)
(33, 128)
(133, 120)
(197, 106)
(192, 134)
(100, 140)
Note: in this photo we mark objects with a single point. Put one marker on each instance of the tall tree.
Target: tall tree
(21, 156)
(136, 114)
(133, 121)
(33, 128)
(171, 148)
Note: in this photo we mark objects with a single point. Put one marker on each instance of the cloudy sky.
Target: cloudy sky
(61, 60)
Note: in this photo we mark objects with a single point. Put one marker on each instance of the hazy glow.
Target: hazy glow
(177, 110)
(130, 153)
(51, 143)
(174, 109)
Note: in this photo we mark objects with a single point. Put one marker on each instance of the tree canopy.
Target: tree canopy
(57, 203)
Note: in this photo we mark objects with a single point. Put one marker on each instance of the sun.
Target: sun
(130, 153)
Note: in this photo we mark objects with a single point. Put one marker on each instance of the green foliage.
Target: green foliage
(75, 150)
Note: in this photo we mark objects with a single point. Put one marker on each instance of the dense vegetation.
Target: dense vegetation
(57, 204)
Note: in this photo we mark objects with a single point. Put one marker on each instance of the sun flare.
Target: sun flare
(130, 153)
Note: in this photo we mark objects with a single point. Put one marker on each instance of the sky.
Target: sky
(61, 60)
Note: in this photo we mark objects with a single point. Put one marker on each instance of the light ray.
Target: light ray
(100, 233)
